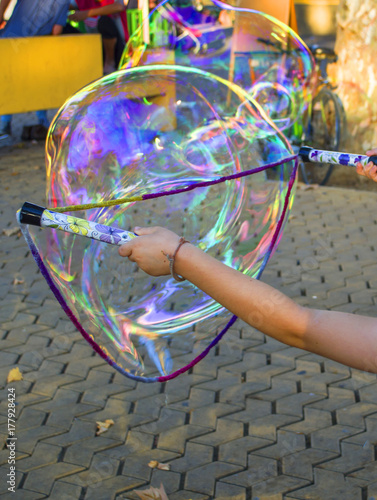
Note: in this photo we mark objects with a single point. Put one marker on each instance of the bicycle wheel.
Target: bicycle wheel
(324, 131)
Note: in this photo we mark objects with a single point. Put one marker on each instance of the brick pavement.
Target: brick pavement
(255, 420)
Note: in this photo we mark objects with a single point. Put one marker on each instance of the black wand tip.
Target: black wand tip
(31, 214)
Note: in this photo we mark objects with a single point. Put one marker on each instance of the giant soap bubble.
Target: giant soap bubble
(156, 131)
(256, 51)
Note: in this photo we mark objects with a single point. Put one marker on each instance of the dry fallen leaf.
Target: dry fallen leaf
(16, 281)
(104, 426)
(14, 375)
(152, 493)
(12, 231)
(154, 464)
(308, 187)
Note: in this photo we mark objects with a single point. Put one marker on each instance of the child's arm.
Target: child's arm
(343, 337)
(106, 10)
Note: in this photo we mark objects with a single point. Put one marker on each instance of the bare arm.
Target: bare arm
(3, 7)
(106, 10)
(343, 337)
(57, 30)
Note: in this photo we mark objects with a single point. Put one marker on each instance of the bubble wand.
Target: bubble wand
(308, 154)
(39, 216)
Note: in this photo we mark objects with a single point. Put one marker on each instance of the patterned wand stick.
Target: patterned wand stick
(319, 156)
(39, 216)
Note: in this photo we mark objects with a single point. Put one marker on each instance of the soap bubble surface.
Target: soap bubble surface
(247, 47)
(154, 130)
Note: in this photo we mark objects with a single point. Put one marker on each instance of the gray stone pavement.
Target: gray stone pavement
(254, 420)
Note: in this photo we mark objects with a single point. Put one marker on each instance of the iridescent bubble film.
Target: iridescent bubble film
(256, 51)
(155, 130)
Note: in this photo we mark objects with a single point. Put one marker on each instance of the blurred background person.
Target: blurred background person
(111, 24)
(31, 18)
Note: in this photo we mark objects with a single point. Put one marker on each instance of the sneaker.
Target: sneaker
(108, 68)
(38, 132)
(5, 132)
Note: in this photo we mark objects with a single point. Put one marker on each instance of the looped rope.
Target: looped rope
(160, 194)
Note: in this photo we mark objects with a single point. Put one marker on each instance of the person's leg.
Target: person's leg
(119, 48)
(5, 126)
(110, 39)
(42, 118)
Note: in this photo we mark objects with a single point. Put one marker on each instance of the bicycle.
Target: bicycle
(322, 125)
(326, 121)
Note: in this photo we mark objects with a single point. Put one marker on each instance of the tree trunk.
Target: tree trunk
(356, 71)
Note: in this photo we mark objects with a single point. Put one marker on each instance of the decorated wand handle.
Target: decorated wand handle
(319, 156)
(39, 216)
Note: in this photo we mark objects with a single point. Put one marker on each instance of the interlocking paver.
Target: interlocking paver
(255, 419)
(175, 439)
(64, 407)
(294, 403)
(355, 414)
(258, 469)
(330, 437)
(43, 454)
(328, 485)
(364, 476)
(170, 479)
(203, 479)
(287, 443)
(301, 464)
(64, 491)
(276, 487)
(226, 430)
(83, 455)
(184, 495)
(23, 494)
(210, 413)
(236, 451)
(194, 456)
(267, 426)
(369, 437)
(101, 468)
(42, 480)
(225, 491)
(110, 488)
(254, 409)
(136, 463)
(313, 419)
(352, 457)
(337, 398)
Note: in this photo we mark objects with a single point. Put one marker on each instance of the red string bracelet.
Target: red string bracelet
(181, 242)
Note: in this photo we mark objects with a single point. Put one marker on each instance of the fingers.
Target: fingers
(369, 170)
(360, 169)
(125, 250)
(143, 231)
(372, 152)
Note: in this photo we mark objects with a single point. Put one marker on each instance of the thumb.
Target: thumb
(126, 249)
(143, 231)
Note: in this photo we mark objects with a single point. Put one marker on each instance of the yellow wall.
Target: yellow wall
(42, 72)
